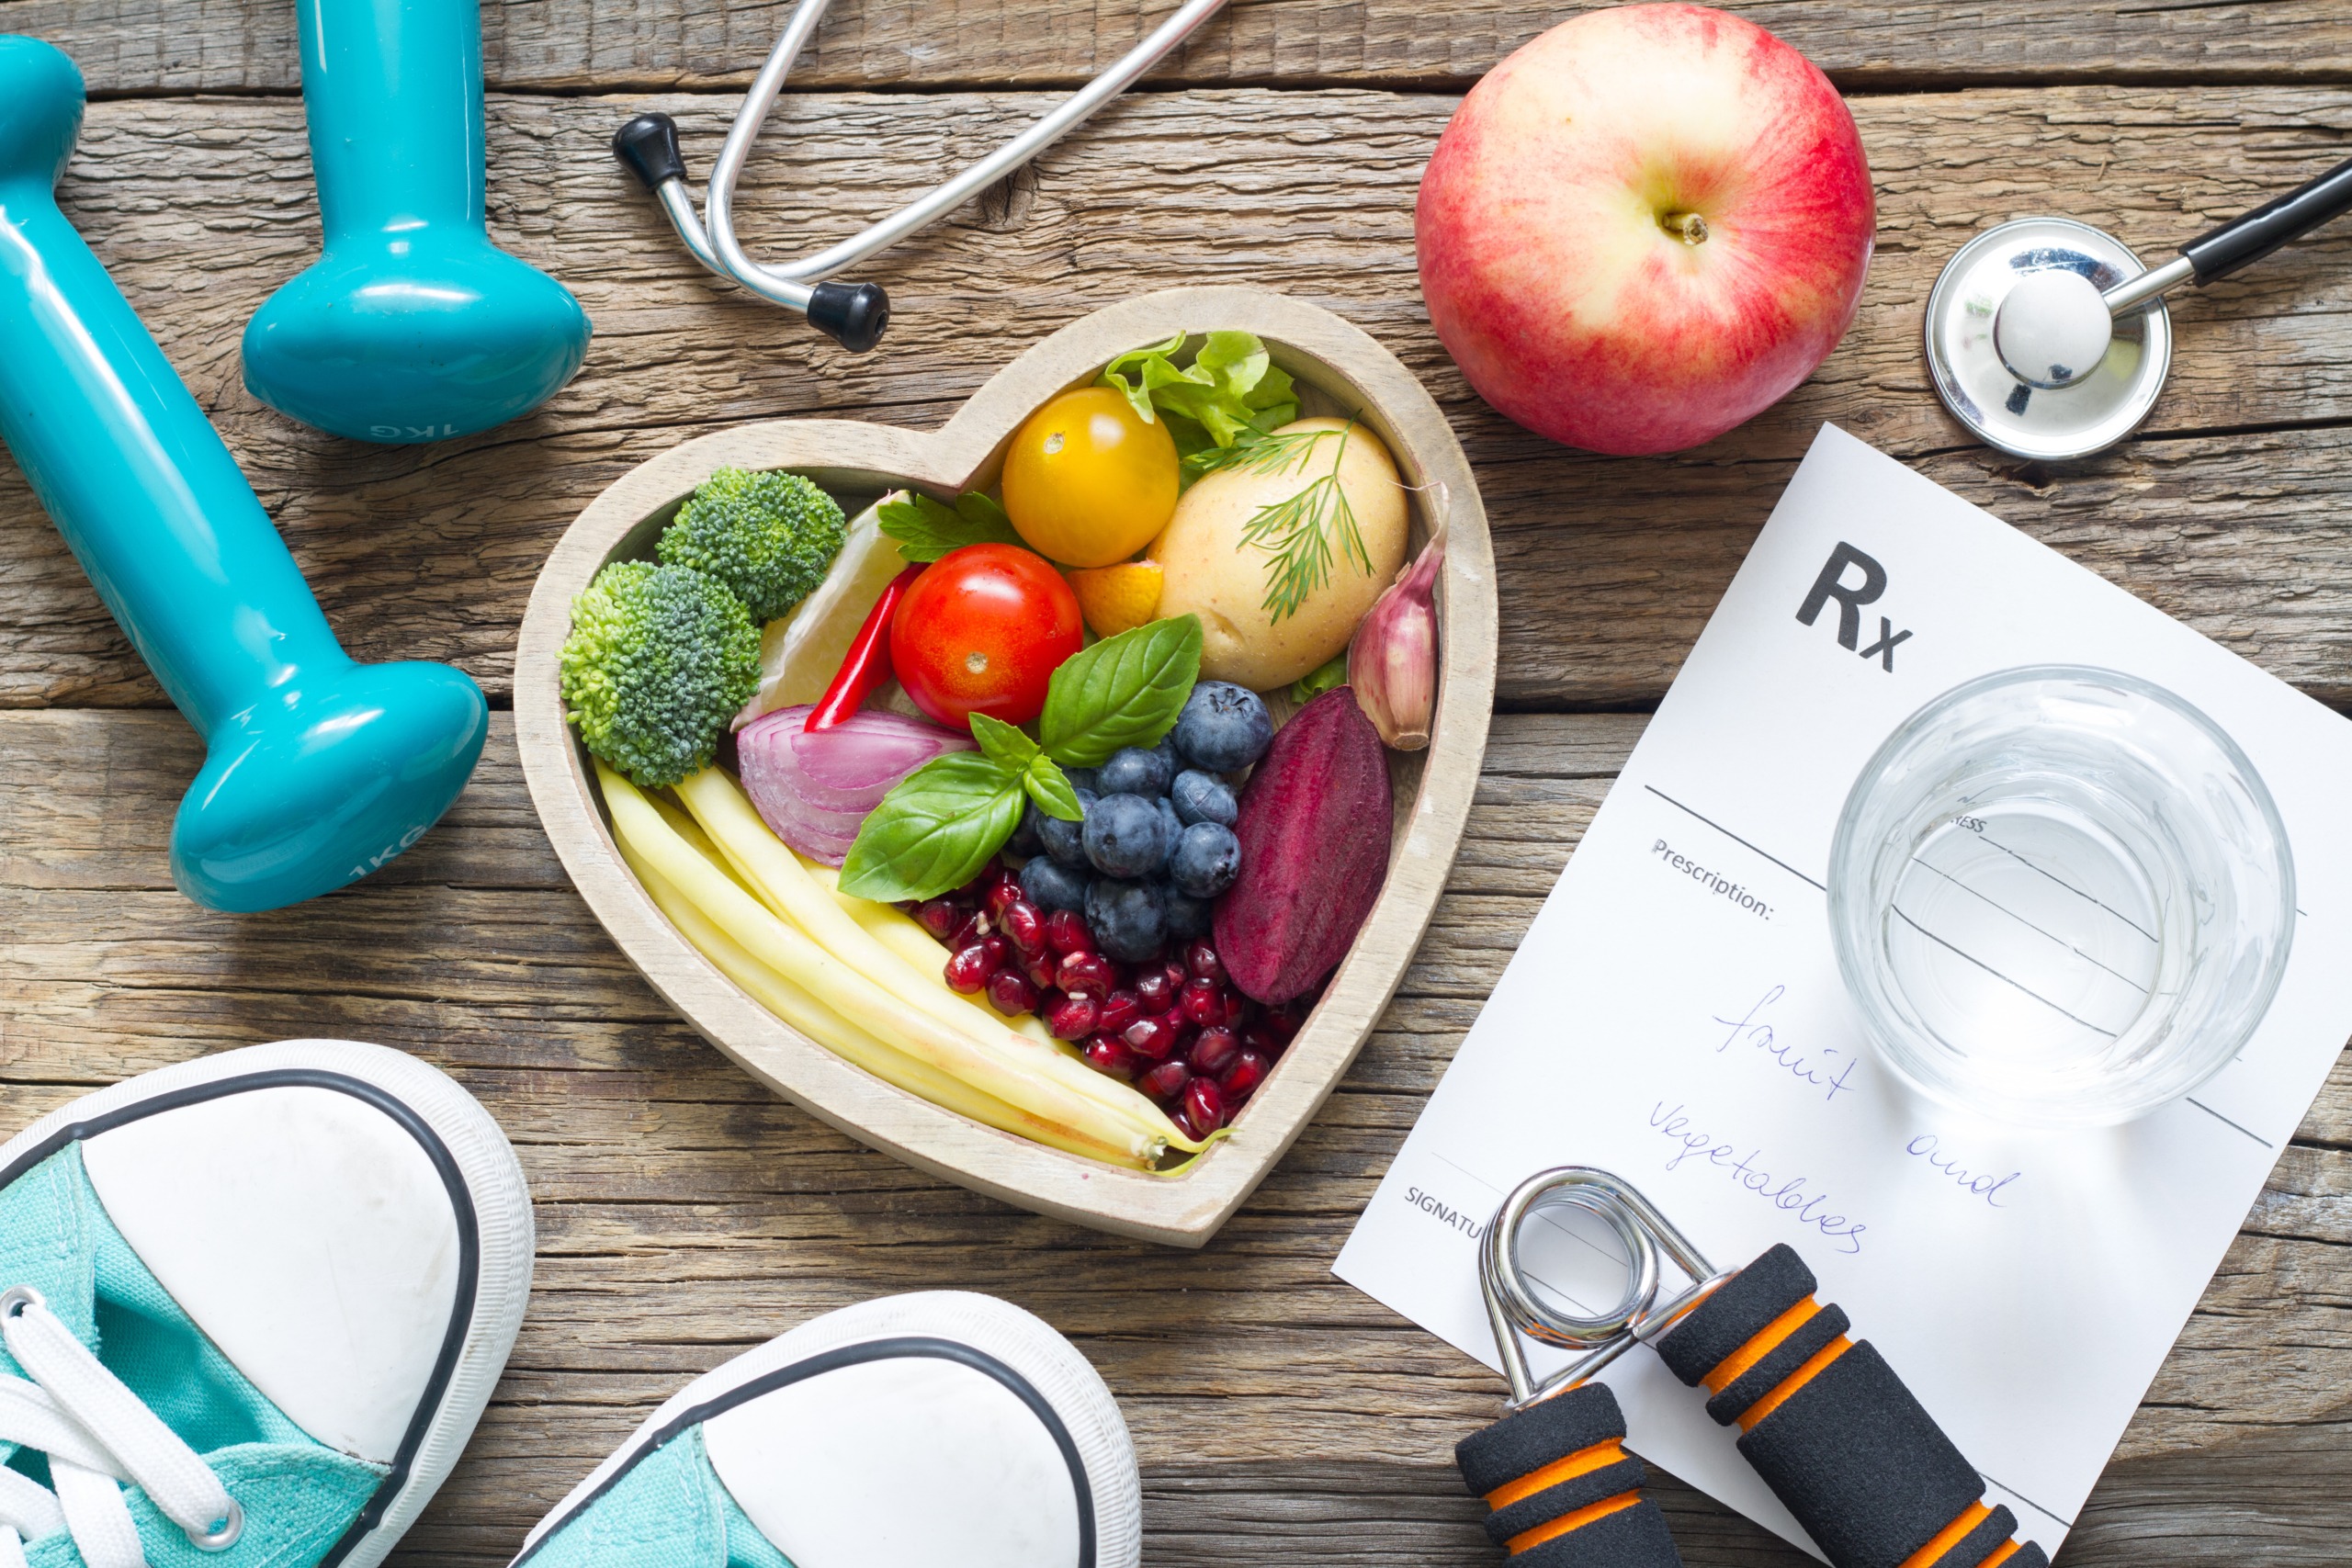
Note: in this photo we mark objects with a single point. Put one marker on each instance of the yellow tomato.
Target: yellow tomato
(1087, 481)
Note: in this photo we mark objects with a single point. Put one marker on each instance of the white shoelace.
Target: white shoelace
(97, 1436)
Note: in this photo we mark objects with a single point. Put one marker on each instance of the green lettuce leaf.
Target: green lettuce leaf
(1230, 385)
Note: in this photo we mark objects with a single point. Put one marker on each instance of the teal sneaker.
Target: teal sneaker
(251, 1308)
(909, 1432)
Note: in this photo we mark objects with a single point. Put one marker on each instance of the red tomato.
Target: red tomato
(980, 631)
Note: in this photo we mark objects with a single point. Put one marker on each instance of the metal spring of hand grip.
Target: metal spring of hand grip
(1822, 1419)
(1512, 1308)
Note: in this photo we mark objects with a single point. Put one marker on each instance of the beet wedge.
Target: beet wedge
(1313, 830)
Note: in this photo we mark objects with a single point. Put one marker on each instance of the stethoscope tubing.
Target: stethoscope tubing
(711, 238)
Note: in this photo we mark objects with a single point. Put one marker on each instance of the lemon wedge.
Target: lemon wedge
(801, 652)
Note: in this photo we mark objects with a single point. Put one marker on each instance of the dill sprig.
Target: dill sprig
(1296, 533)
(1257, 454)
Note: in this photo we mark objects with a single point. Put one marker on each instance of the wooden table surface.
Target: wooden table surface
(685, 1213)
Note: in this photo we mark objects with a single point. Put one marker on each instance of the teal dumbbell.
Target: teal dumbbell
(318, 769)
(411, 326)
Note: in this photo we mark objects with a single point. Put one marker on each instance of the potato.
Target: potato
(1216, 571)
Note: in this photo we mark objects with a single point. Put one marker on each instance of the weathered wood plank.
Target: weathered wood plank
(685, 1214)
(148, 47)
(2228, 514)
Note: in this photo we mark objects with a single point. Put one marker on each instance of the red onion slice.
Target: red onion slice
(813, 791)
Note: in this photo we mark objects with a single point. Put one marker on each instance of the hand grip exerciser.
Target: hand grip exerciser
(411, 326)
(319, 770)
(1822, 1419)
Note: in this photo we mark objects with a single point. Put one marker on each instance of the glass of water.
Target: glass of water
(2060, 896)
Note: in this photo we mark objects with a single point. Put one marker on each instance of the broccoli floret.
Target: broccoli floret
(660, 658)
(769, 536)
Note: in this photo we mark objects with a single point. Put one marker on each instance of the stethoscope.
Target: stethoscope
(854, 314)
(2049, 339)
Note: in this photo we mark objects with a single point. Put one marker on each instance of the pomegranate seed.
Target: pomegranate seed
(972, 892)
(1025, 926)
(1009, 991)
(1000, 898)
(1157, 994)
(1040, 971)
(938, 917)
(1120, 1009)
(1213, 1051)
(1166, 1081)
(1089, 973)
(1065, 932)
(1286, 1020)
(1242, 1076)
(1204, 1106)
(974, 929)
(1259, 1038)
(968, 969)
(998, 951)
(1073, 1017)
(1105, 1055)
(1151, 1038)
(1204, 1002)
(1203, 961)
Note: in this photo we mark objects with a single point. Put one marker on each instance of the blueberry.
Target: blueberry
(1128, 919)
(1203, 797)
(1207, 859)
(1124, 836)
(1064, 840)
(1024, 839)
(1082, 780)
(1187, 917)
(1053, 885)
(1133, 770)
(1224, 728)
(1171, 827)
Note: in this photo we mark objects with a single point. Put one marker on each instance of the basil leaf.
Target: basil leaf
(1125, 691)
(927, 529)
(936, 829)
(1002, 742)
(1050, 788)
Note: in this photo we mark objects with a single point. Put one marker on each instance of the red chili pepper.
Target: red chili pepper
(868, 663)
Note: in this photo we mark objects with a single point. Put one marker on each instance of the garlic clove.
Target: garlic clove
(1392, 663)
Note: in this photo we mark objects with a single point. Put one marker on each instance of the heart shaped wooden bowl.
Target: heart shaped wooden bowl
(1339, 370)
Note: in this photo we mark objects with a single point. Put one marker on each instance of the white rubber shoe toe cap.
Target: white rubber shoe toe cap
(346, 1224)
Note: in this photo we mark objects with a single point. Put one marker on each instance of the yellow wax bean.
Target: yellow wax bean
(987, 1064)
(686, 828)
(904, 935)
(836, 1034)
(778, 875)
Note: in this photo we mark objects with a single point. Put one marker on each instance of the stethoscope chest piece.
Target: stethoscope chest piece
(2016, 408)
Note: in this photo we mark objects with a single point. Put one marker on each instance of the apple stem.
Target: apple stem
(1687, 227)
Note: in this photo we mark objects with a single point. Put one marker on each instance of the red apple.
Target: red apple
(1648, 225)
